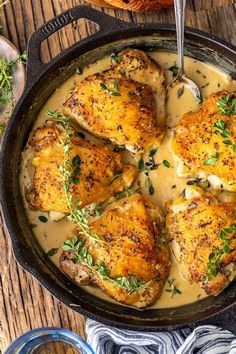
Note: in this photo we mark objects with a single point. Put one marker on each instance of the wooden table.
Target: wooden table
(24, 304)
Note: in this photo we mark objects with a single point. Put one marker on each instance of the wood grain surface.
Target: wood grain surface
(24, 304)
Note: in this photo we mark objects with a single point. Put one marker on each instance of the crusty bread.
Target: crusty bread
(141, 5)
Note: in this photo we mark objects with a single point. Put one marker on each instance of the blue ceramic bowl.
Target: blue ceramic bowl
(49, 340)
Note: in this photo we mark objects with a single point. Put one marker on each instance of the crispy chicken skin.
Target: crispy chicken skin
(120, 104)
(196, 140)
(138, 66)
(133, 247)
(101, 172)
(195, 222)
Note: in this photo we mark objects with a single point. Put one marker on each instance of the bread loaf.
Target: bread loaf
(141, 5)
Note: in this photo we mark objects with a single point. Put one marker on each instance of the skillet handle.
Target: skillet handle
(105, 22)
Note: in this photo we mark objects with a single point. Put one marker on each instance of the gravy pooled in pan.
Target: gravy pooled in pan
(119, 242)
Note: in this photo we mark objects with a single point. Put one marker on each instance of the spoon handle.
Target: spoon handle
(180, 17)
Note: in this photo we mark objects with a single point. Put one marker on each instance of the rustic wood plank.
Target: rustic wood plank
(24, 304)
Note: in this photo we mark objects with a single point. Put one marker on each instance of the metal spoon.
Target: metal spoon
(181, 77)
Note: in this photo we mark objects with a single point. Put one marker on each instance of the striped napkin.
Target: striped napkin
(202, 340)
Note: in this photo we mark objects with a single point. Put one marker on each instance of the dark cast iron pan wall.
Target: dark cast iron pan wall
(42, 79)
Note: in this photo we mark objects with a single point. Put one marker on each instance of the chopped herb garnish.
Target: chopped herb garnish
(141, 164)
(227, 105)
(153, 151)
(207, 84)
(118, 148)
(180, 92)
(211, 160)
(172, 288)
(43, 218)
(148, 184)
(166, 163)
(52, 252)
(113, 90)
(192, 182)
(116, 58)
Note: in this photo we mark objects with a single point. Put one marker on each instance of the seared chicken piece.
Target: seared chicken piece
(133, 250)
(204, 233)
(97, 171)
(205, 142)
(138, 66)
(120, 104)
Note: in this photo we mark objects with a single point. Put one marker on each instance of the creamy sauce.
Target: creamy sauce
(165, 181)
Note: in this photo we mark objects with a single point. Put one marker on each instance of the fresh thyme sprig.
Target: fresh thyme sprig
(227, 104)
(6, 85)
(215, 257)
(82, 256)
(148, 166)
(113, 90)
(221, 127)
(70, 170)
(172, 288)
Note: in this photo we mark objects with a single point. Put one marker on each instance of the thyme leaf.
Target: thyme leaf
(113, 90)
(211, 160)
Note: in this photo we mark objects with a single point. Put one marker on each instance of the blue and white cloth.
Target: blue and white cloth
(202, 340)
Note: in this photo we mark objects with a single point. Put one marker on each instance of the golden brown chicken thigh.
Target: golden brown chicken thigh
(205, 142)
(97, 174)
(204, 233)
(132, 263)
(120, 104)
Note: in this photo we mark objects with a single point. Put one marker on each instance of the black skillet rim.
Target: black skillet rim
(55, 290)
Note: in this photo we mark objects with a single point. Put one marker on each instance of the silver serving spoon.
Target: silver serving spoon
(181, 77)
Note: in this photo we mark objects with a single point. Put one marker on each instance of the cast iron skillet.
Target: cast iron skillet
(42, 80)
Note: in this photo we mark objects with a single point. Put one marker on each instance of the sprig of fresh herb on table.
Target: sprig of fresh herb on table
(6, 85)
(172, 288)
(215, 257)
(4, 2)
(70, 170)
(113, 90)
(211, 160)
(82, 256)
(148, 166)
(221, 127)
(227, 105)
